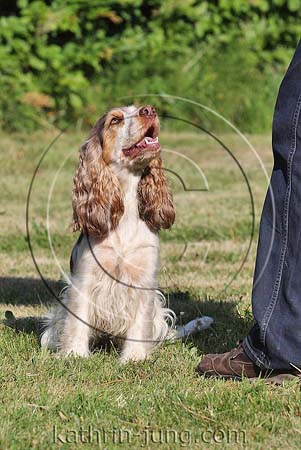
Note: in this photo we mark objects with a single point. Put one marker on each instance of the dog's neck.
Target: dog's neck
(129, 184)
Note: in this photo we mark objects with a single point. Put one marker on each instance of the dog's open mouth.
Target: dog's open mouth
(148, 142)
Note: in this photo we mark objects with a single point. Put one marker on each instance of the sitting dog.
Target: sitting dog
(120, 202)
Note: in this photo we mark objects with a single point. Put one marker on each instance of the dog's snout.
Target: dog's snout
(147, 111)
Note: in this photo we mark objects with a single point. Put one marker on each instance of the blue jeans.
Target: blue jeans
(275, 340)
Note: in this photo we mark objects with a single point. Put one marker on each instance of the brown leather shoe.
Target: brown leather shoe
(236, 365)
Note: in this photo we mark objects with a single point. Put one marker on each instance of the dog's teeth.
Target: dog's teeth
(150, 140)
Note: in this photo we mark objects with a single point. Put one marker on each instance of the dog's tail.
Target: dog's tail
(171, 332)
(165, 318)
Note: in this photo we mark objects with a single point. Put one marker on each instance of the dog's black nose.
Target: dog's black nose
(147, 111)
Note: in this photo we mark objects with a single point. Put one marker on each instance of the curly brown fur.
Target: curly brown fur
(155, 203)
(96, 197)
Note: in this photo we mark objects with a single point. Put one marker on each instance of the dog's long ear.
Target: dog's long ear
(96, 197)
(155, 202)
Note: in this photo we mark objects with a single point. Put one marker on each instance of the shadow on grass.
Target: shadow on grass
(28, 291)
(228, 327)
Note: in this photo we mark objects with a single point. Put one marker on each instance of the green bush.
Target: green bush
(64, 60)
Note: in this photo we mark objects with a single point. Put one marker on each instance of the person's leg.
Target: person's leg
(275, 340)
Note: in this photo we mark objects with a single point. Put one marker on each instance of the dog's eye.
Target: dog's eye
(115, 120)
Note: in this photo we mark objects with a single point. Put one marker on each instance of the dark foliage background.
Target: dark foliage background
(65, 61)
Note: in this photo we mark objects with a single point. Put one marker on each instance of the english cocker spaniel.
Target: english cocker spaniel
(120, 201)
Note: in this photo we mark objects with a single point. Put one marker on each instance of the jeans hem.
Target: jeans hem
(258, 357)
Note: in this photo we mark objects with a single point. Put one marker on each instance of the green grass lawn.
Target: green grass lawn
(97, 403)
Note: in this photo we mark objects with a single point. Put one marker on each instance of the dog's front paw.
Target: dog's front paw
(124, 359)
(133, 355)
(82, 352)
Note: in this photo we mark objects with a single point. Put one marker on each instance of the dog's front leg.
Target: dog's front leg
(76, 331)
(139, 340)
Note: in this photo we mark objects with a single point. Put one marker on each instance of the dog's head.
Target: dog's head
(123, 138)
(129, 136)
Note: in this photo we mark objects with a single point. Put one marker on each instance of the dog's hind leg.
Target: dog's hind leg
(53, 323)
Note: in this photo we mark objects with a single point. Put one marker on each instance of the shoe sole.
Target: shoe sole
(276, 379)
